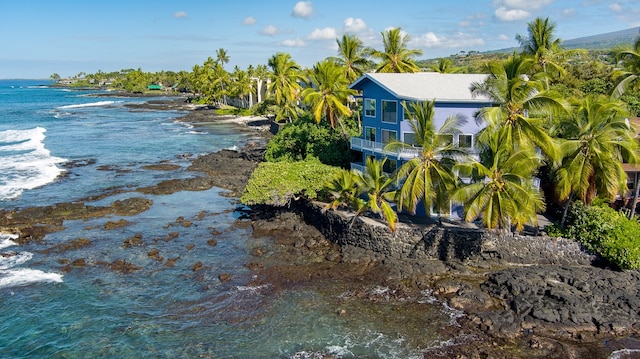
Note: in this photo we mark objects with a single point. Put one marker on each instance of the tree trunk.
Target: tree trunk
(635, 196)
(565, 210)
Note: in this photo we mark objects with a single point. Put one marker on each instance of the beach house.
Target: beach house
(384, 119)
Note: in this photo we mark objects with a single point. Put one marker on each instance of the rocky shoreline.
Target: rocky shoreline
(523, 297)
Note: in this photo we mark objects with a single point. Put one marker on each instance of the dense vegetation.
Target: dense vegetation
(560, 115)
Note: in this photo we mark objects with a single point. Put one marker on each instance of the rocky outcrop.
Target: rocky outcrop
(508, 285)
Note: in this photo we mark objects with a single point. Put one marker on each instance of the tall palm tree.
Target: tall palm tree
(428, 177)
(523, 106)
(285, 85)
(396, 57)
(444, 66)
(503, 194)
(221, 56)
(597, 140)
(542, 45)
(377, 189)
(328, 93)
(352, 56)
(630, 72)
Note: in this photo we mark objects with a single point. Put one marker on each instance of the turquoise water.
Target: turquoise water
(49, 309)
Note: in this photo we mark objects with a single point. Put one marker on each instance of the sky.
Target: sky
(41, 37)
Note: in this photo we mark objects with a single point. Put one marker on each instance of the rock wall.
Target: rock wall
(471, 246)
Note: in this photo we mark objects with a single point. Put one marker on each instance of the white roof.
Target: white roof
(427, 85)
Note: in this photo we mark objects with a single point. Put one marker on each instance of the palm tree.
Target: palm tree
(523, 107)
(503, 194)
(377, 189)
(344, 190)
(396, 57)
(542, 45)
(597, 140)
(328, 93)
(353, 56)
(630, 72)
(444, 66)
(429, 176)
(285, 87)
(221, 56)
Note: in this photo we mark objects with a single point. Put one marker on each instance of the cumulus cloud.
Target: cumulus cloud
(302, 9)
(504, 14)
(293, 43)
(512, 10)
(328, 33)
(249, 20)
(180, 14)
(503, 37)
(270, 31)
(615, 7)
(431, 40)
(354, 25)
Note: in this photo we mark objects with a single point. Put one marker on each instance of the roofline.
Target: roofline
(367, 75)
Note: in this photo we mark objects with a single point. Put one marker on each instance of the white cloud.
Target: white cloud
(270, 31)
(431, 40)
(302, 9)
(294, 43)
(504, 14)
(180, 14)
(354, 25)
(569, 12)
(615, 7)
(249, 20)
(503, 37)
(522, 4)
(328, 33)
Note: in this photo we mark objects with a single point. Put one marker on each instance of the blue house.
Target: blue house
(384, 120)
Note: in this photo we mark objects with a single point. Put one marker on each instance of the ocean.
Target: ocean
(59, 145)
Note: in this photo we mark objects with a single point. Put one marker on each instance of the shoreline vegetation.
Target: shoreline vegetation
(518, 302)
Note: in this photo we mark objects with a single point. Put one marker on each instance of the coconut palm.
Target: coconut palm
(285, 85)
(444, 66)
(502, 194)
(328, 93)
(523, 107)
(377, 190)
(396, 57)
(597, 140)
(630, 72)
(344, 191)
(221, 56)
(352, 56)
(429, 176)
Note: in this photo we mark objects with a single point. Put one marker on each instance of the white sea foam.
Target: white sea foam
(90, 104)
(10, 276)
(24, 162)
(624, 353)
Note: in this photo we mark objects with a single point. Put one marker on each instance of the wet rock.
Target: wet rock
(190, 246)
(120, 265)
(224, 277)
(135, 240)
(197, 266)
(172, 261)
(117, 224)
(212, 242)
(131, 206)
(254, 266)
(80, 262)
(162, 167)
(155, 254)
(70, 245)
(258, 252)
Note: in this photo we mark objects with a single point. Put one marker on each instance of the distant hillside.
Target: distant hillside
(594, 42)
(603, 41)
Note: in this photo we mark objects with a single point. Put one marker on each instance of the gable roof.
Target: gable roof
(426, 85)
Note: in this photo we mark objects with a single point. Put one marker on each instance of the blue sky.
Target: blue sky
(42, 37)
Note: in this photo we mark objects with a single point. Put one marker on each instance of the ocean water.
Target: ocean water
(57, 146)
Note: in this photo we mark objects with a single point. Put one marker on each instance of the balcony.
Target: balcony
(360, 144)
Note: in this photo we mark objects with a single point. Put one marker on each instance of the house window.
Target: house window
(370, 134)
(389, 166)
(389, 111)
(465, 141)
(410, 138)
(370, 107)
(443, 140)
(406, 113)
(389, 136)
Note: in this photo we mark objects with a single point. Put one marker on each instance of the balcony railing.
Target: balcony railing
(358, 143)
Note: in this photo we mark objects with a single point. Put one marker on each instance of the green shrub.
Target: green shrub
(276, 183)
(305, 140)
(604, 231)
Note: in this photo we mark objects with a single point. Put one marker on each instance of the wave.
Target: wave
(90, 104)
(25, 163)
(13, 277)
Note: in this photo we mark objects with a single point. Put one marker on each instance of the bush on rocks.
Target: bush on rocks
(604, 231)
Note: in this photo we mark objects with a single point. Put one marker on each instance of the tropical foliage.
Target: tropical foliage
(396, 57)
